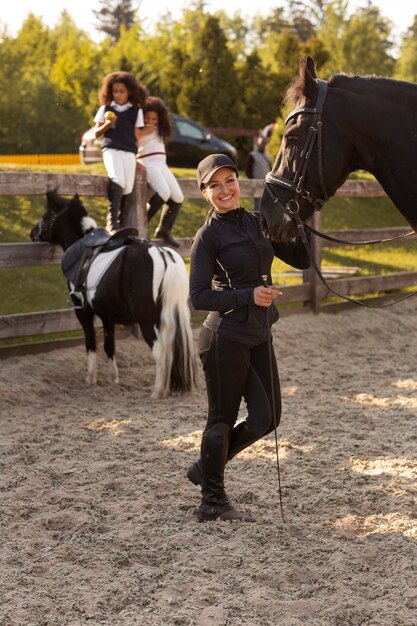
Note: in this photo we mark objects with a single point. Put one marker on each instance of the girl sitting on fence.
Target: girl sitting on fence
(152, 157)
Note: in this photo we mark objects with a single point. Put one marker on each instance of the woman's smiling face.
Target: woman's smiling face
(223, 190)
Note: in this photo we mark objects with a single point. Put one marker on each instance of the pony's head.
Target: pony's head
(64, 220)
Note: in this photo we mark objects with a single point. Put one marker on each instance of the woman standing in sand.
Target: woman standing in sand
(230, 277)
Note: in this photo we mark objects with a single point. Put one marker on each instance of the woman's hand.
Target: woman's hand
(264, 296)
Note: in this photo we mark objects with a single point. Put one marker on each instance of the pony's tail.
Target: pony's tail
(176, 345)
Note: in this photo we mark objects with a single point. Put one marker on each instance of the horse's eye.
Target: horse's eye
(291, 137)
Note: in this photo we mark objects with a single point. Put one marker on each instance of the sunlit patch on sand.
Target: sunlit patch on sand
(407, 383)
(381, 524)
(188, 441)
(402, 467)
(369, 399)
(265, 448)
(114, 427)
(289, 390)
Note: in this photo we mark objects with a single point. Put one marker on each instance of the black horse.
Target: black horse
(337, 127)
(128, 281)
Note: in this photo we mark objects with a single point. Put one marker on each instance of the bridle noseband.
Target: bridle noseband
(292, 207)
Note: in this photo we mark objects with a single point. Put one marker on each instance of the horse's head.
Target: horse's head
(64, 221)
(297, 184)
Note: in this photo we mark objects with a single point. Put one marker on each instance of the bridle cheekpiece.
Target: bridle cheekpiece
(292, 207)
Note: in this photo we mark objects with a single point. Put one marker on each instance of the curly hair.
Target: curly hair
(137, 92)
(164, 116)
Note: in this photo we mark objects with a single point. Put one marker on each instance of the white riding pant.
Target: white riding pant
(121, 168)
(161, 179)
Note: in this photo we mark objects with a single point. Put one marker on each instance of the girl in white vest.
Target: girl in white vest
(152, 157)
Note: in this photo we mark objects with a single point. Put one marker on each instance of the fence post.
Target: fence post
(310, 276)
(141, 221)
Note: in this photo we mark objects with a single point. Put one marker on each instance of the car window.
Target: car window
(189, 130)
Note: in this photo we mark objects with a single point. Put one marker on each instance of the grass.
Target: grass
(44, 288)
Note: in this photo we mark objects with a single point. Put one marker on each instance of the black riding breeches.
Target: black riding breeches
(234, 371)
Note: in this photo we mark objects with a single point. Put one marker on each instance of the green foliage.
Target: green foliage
(406, 66)
(222, 71)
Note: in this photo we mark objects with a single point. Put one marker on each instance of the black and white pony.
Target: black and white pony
(128, 281)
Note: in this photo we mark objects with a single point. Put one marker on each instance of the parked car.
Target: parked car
(189, 143)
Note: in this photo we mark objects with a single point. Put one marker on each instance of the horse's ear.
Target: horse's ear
(52, 194)
(76, 204)
(311, 67)
(308, 78)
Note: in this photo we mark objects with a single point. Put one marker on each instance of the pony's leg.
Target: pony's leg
(109, 349)
(86, 319)
(152, 339)
(91, 378)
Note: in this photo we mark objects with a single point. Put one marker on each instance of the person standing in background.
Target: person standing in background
(258, 164)
(119, 121)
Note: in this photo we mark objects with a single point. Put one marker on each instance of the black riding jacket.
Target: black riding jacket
(229, 256)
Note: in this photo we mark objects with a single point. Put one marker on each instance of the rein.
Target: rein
(292, 208)
(301, 230)
(357, 243)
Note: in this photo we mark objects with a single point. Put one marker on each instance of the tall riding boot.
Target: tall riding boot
(168, 217)
(126, 210)
(114, 193)
(240, 439)
(154, 204)
(215, 504)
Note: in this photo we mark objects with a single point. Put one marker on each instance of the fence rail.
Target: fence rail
(311, 292)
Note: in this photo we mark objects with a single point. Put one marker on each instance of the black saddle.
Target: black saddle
(77, 258)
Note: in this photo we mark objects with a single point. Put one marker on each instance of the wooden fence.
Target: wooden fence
(311, 292)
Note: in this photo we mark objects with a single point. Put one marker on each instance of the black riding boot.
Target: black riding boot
(168, 217)
(240, 439)
(126, 210)
(154, 204)
(114, 194)
(215, 504)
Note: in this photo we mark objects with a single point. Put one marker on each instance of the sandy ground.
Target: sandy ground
(98, 520)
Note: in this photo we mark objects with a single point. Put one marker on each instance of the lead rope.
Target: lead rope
(265, 282)
(302, 233)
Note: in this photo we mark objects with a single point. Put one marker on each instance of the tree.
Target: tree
(113, 15)
(210, 91)
(357, 44)
(262, 92)
(365, 43)
(406, 66)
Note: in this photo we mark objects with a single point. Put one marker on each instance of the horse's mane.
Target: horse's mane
(296, 95)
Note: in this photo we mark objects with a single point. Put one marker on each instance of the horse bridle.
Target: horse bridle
(292, 207)
(48, 224)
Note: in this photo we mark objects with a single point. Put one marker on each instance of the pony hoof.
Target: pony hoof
(91, 380)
